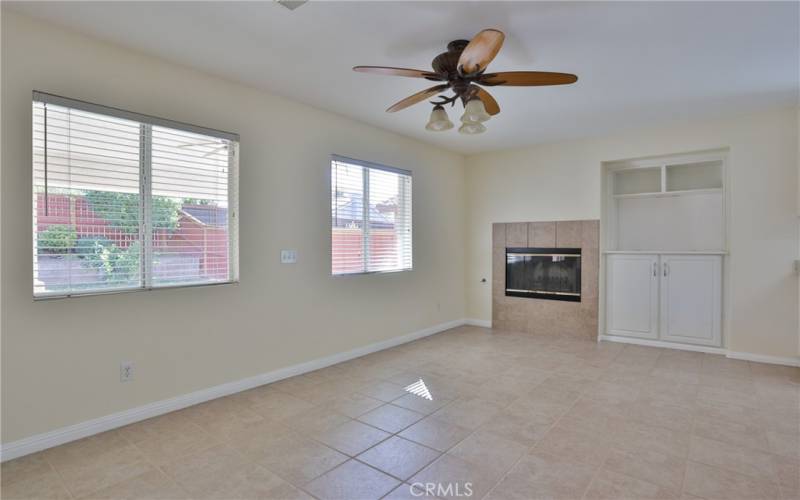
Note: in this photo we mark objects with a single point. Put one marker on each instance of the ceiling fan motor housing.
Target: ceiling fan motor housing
(457, 45)
(446, 63)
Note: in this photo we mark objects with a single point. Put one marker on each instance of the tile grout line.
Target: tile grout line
(154, 464)
(527, 452)
(354, 457)
(441, 453)
(391, 435)
(555, 423)
(605, 458)
(61, 479)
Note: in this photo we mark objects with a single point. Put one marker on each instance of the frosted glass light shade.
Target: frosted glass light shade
(471, 128)
(439, 120)
(474, 112)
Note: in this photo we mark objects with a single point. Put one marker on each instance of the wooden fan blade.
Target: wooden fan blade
(527, 78)
(481, 50)
(385, 70)
(488, 101)
(418, 97)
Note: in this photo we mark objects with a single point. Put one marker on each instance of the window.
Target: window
(123, 201)
(370, 217)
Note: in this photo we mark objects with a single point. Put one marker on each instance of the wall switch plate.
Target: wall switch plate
(126, 371)
(288, 256)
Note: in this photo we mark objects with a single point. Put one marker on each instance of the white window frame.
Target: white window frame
(145, 191)
(367, 165)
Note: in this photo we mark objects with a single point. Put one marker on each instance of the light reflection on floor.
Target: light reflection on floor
(419, 388)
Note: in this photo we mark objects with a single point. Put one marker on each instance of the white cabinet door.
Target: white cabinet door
(632, 295)
(691, 299)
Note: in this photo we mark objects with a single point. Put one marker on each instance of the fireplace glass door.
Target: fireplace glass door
(544, 273)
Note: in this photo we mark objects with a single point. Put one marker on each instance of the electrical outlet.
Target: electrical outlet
(126, 371)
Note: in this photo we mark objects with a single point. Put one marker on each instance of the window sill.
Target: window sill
(363, 273)
(57, 296)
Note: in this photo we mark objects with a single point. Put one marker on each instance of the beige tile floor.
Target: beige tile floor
(512, 416)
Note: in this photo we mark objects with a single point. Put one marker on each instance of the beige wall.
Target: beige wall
(562, 181)
(60, 359)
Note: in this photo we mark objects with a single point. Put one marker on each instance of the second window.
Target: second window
(370, 217)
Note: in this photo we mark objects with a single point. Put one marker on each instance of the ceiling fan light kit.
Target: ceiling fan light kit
(439, 120)
(472, 128)
(475, 111)
(463, 69)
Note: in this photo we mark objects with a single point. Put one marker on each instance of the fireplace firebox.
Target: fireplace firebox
(544, 273)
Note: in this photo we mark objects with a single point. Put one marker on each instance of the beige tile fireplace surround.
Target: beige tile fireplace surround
(542, 316)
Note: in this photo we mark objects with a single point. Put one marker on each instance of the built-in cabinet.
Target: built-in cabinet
(671, 297)
(665, 239)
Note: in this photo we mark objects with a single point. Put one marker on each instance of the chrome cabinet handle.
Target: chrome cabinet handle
(666, 268)
(655, 268)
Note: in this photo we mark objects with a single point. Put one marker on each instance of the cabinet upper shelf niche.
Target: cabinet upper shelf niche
(689, 176)
(637, 180)
(668, 178)
(667, 203)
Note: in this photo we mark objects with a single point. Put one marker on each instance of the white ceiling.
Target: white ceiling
(639, 64)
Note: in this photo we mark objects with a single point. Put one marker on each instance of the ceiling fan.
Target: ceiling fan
(463, 70)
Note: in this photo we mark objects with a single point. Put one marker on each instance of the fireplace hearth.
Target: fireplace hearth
(544, 273)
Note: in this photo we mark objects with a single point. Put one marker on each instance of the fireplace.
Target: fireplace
(544, 273)
(517, 305)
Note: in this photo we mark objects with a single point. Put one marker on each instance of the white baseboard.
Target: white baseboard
(81, 430)
(485, 323)
(763, 358)
(661, 343)
(758, 358)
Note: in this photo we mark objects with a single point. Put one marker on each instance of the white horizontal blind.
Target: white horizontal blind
(370, 218)
(123, 202)
(190, 170)
(86, 203)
